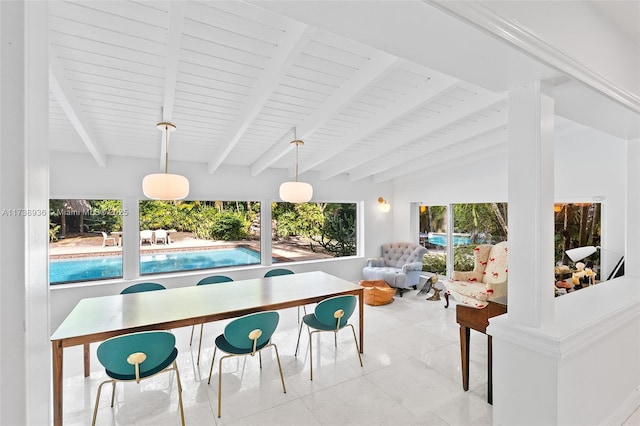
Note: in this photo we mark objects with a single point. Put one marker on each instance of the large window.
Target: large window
(84, 241)
(579, 225)
(313, 230)
(472, 224)
(191, 235)
(433, 236)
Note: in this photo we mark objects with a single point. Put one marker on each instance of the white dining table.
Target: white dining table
(99, 318)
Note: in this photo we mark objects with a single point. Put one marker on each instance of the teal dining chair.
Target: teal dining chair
(283, 271)
(247, 335)
(141, 287)
(278, 271)
(138, 356)
(331, 314)
(213, 279)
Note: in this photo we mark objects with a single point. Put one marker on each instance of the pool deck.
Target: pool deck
(286, 252)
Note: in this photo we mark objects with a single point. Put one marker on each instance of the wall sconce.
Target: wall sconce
(383, 205)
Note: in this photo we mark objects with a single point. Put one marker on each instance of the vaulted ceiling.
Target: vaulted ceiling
(237, 78)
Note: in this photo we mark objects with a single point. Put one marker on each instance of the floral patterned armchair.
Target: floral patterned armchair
(488, 279)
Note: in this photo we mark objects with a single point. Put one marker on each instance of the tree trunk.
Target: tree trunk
(63, 224)
(500, 217)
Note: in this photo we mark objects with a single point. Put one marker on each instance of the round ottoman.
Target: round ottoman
(377, 292)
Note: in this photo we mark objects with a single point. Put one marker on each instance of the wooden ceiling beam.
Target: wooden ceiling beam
(62, 90)
(297, 35)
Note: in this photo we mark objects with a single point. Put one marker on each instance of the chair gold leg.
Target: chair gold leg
(113, 393)
(310, 355)
(356, 342)
(95, 407)
(175, 367)
(284, 389)
(220, 386)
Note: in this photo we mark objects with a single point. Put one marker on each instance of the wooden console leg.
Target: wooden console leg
(465, 334)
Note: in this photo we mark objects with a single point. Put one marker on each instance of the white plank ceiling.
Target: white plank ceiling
(236, 79)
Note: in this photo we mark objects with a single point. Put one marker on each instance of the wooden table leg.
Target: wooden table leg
(87, 366)
(465, 335)
(56, 351)
(361, 306)
(489, 372)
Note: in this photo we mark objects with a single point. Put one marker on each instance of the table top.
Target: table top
(97, 318)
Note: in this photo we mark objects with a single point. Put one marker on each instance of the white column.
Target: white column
(450, 240)
(25, 364)
(530, 197)
(265, 232)
(36, 93)
(632, 243)
(130, 238)
(578, 364)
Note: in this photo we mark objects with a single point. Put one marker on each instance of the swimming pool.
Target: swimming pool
(441, 239)
(103, 267)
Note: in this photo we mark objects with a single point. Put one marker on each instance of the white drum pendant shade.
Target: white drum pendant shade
(165, 186)
(296, 192)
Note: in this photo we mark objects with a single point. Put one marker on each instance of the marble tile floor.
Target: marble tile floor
(411, 376)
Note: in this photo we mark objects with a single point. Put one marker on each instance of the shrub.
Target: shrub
(437, 262)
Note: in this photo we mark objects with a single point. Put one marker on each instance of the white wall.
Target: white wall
(77, 176)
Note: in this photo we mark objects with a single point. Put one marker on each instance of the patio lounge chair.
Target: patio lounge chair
(161, 235)
(146, 235)
(106, 239)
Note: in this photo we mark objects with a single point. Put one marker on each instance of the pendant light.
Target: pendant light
(296, 192)
(165, 186)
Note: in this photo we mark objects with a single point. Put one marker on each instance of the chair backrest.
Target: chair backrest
(278, 271)
(497, 267)
(104, 235)
(397, 255)
(326, 310)
(138, 288)
(160, 233)
(237, 331)
(215, 279)
(156, 345)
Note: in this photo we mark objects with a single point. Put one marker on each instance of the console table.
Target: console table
(477, 319)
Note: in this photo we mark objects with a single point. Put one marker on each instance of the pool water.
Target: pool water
(441, 239)
(102, 267)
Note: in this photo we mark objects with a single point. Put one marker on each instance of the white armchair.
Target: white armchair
(399, 266)
(487, 281)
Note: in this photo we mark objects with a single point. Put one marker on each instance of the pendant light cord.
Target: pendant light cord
(295, 138)
(166, 149)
